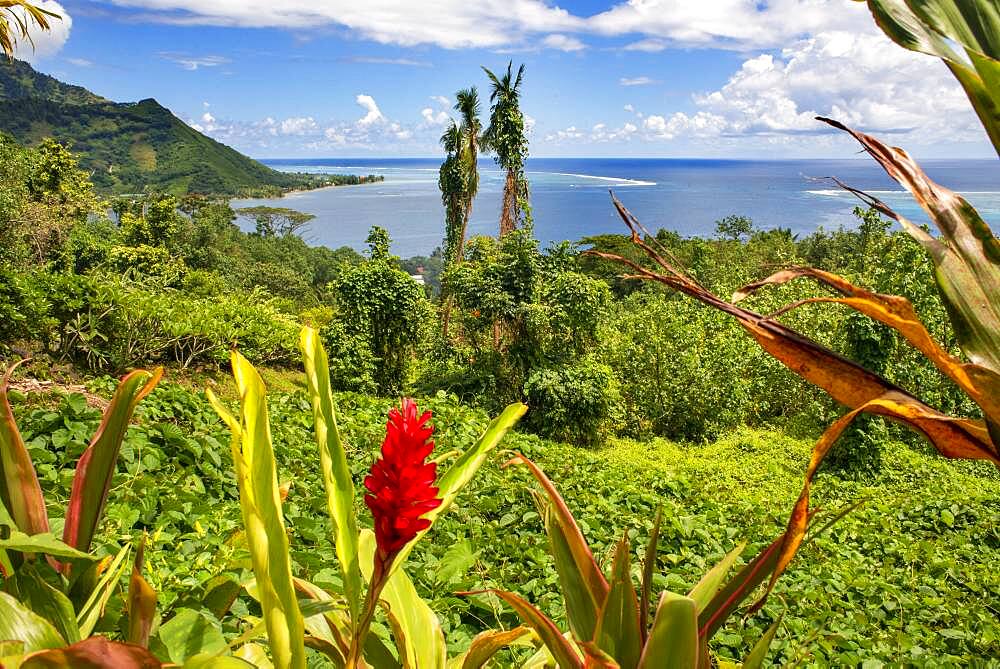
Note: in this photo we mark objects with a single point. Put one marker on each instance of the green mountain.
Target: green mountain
(129, 146)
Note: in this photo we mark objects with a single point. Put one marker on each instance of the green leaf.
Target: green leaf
(618, 633)
(582, 583)
(18, 623)
(673, 640)
(19, 489)
(706, 588)
(96, 467)
(738, 588)
(189, 634)
(45, 543)
(45, 600)
(260, 503)
(648, 567)
(455, 562)
(92, 610)
(333, 467)
(450, 484)
(414, 624)
(758, 653)
(211, 661)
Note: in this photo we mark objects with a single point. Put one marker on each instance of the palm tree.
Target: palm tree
(470, 132)
(16, 17)
(506, 138)
(451, 181)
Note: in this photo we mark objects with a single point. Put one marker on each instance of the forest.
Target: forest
(221, 446)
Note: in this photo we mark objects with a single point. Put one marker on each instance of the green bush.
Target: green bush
(572, 403)
(24, 309)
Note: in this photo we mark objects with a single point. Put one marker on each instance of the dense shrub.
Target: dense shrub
(572, 403)
(107, 324)
(382, 309)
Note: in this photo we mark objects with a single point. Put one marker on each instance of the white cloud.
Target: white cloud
(194, 62)
(375, 60)
(862, 79)
(373, 115)
(80, 62)
(649, 45)
(446, 23)
(636, 81)
(440, 118)
(733, 24)
(629, 108)
(43, 43)
(207, 118)
(563, 43)
(443, 101)
(298, 125)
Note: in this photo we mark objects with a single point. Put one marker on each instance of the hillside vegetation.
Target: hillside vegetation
(131, 147)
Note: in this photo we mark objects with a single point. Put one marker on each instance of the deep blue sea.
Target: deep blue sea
(570, 200)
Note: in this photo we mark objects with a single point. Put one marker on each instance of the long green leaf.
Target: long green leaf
(583, 584)
(92, 610)
(260, 502)
(416, 627)
(96, 467)
(45, 543)
(45, 600)
(333, 467)
(648, 567)
(19, 489)
(673, 641)
(18, 623)
(705, 590)
(450, 484)
(618, 633)
(755, 660)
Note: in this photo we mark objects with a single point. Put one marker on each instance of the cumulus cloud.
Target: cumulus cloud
(440, 118)
(862, 79)
(563, 43)
(298, 125)
(373, 115)
(43, 43)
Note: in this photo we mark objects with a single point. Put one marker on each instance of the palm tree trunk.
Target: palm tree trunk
(507, 214)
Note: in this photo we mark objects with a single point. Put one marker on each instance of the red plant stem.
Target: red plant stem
(380, 570)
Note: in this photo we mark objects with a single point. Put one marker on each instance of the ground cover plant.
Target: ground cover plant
(920, 591)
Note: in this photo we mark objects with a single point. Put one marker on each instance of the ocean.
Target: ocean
(570, 199)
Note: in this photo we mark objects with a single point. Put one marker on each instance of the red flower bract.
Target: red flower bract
(401, 483)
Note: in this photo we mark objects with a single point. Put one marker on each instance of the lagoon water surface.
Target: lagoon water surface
(569, 196)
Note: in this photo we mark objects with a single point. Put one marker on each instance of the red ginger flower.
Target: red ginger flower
(401, 484)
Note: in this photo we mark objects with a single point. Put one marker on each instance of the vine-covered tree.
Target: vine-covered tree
(470, 131)
(505, 136)
(451, 181)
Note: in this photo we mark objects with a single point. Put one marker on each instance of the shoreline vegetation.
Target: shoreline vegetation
(617, 461)
(321, 182)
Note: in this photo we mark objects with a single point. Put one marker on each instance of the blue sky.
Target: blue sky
(713, 78)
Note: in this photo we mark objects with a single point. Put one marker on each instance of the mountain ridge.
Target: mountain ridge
(130, 146)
